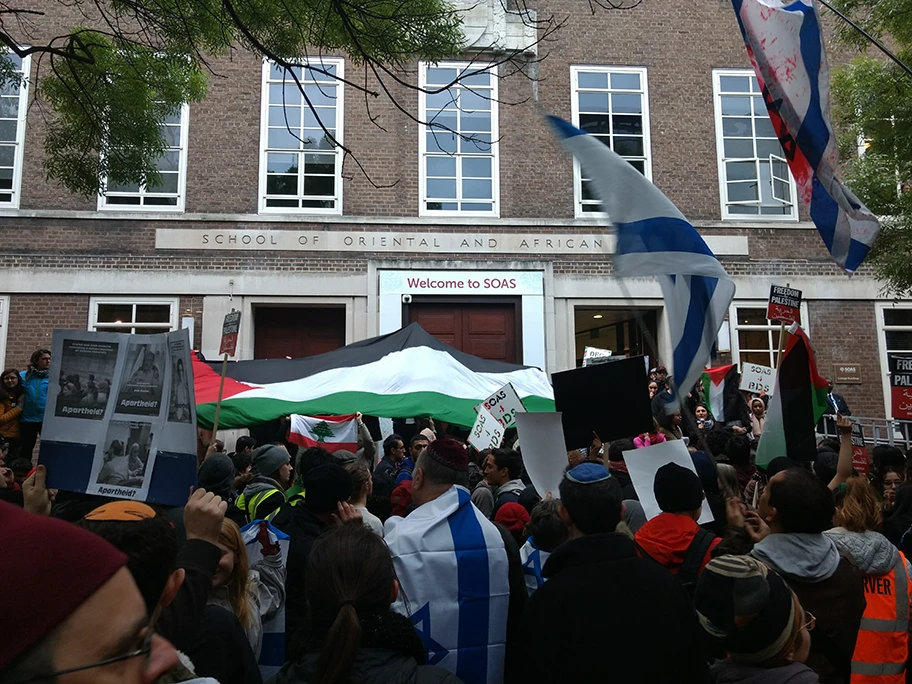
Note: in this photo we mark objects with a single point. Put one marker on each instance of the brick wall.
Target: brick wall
(846, 331)
(33, 318)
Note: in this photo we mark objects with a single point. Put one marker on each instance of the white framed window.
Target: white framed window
(300, 166)
(755, 339)
(13, 109)
(894, 330)
(458, 150)
(754, 179)
(611, 104)
(134, 315)
(169, 193)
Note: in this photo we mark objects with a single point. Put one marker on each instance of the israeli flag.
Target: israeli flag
(654, 239)
(786, 47)
(452, 568)
(533, 560)
(272, 656)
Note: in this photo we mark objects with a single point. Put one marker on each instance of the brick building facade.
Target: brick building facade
(361, 253)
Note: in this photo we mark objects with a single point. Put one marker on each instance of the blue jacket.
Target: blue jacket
(36, 392)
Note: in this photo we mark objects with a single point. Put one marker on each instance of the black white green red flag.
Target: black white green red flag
(797, 404)
(720, 389)
(405, 374)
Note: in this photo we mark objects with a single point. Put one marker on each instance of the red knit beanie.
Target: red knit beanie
(51, 559)
(512, 516)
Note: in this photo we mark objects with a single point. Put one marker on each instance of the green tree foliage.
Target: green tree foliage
(107, 87)
(872, 98)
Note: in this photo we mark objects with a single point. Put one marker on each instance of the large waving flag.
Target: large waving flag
(797, 404)
(654, 239)
(786, 48)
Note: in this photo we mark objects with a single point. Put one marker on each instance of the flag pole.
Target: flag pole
(867, 35)
(218, 403)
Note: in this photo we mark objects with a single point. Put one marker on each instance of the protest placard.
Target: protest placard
(543, 451)
(487, 432)
(141, 445)
(610, 400)
(230, 328)
(900, 385)
(503, 405)
(756, 378)
(642, 465)
(860, 460)
(593, 356)
(784, 305)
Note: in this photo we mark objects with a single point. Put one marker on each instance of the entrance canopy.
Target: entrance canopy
(405, 374)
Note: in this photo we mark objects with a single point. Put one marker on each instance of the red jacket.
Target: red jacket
(666, 538)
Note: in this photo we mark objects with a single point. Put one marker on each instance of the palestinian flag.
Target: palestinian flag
(720, 389)
(797, 404)
(405, 374)
(330, 432)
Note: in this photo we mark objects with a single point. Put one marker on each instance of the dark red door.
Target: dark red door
(485, 330)
(296, 332)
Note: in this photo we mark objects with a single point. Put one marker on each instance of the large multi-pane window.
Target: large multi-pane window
(755, 181)
(458, 143)
(301, 165)
(755, 338)
(136, 316)
(169, 191)
(611, 104)
(13, 106)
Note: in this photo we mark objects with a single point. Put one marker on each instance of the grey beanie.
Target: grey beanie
(268, 458)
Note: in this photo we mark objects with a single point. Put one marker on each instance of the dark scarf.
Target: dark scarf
(391, 631)
(617, 466)
(35, 373)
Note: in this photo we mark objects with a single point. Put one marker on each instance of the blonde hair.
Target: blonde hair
(239, 579)
(857, 506)
(728, 477)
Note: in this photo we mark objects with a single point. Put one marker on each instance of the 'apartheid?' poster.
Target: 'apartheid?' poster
(120, 416)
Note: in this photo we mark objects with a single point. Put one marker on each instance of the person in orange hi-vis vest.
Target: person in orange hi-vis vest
(882, 648)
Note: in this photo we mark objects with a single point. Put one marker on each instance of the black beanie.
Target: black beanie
(325, 486)
(217, 475)
(677, 489)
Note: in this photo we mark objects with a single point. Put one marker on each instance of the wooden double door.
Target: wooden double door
(488, 330)
(297, 331)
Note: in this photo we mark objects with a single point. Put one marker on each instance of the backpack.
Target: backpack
(693, 559)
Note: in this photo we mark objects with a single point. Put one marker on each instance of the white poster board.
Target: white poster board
(594, 355)
(503, 405)
(642, 465)
(487, 432)
(543, 450)
(756, 378)
(121, 416)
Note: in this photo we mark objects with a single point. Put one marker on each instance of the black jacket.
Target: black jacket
(220, 649)
(180, 620)
(606, 615)
(303, 531)
(519, 596)
(390, 653)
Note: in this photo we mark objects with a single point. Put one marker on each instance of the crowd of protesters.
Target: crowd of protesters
(425, 560)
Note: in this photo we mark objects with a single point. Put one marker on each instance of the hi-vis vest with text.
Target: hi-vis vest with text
(883, 639)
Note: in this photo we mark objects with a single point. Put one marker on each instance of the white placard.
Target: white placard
(594, 355)
(543, 450)
(757, 379)
(642, 465)
(486, 433)
(503, 405)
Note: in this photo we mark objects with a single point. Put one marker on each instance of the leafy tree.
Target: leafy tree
(322, 431)
(107, 86)
(872, 99)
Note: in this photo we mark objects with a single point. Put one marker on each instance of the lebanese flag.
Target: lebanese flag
(329, 432)
(796, 406)
(720, 388)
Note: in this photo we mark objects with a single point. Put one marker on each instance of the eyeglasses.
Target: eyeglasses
(811, 621)
(145, 648)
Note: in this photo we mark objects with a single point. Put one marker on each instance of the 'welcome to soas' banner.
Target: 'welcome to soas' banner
(121, 417)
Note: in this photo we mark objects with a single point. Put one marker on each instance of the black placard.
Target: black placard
(611, 400)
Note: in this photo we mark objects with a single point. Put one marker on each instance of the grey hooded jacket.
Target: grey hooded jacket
(871, 552)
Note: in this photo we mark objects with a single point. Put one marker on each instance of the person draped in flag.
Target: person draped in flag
(460, 572)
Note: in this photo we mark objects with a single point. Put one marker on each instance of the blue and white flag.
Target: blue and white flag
(533, 560)
(654, 239)
(786, 48)
(452, 566)
(272, 655)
